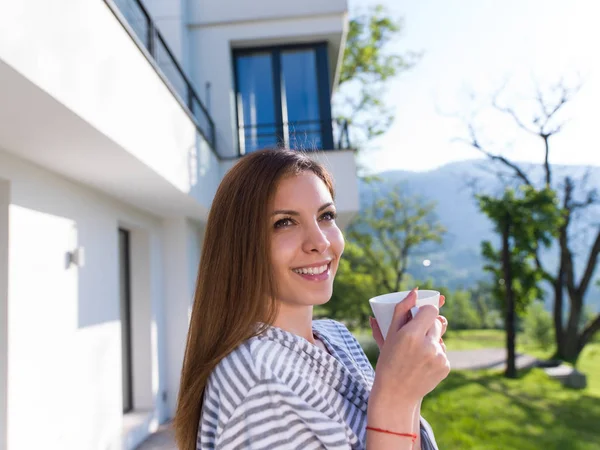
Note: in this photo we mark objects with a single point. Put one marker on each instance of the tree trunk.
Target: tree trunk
(558, 317)
(509, 323)
(571, 347)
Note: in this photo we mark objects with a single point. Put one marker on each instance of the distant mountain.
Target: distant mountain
(458, 262)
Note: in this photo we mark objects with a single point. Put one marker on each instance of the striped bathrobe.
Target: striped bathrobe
(277, 391)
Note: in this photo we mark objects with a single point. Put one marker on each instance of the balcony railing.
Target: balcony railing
(138, 20)
(307, 135)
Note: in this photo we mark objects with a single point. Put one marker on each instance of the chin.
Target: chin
(321, 299)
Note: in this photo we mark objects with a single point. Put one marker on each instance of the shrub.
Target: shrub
(538, 325)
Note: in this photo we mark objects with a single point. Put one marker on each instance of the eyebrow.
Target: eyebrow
(296, 213)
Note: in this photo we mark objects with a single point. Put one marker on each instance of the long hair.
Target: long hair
(235, 289)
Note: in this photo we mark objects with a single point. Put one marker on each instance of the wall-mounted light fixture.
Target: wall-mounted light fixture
(77, 257)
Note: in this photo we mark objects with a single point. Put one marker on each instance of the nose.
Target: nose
(315, 241)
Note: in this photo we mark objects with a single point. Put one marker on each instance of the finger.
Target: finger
(425, 318)
(443, 345)
(377, 334)
(444, 322)
(402, 310)
(435, 331)
(442, 300)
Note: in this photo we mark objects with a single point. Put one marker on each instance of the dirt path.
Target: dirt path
(489, 358)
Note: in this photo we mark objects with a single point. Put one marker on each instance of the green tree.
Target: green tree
(485, 305)
(368, 65)
(576, 198)
(388, 231)
(538, 325)
(525, 220)
(460, 312)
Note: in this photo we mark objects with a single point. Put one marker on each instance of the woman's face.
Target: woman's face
(306, 243)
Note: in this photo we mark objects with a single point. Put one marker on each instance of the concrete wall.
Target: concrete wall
(4, 208)
(64, 339)
(182, 254)
(227, 11)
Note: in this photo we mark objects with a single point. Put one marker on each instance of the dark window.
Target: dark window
(283, 98)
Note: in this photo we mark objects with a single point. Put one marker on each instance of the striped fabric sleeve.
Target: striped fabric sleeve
(272, 417)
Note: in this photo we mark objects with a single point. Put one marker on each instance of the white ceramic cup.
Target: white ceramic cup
(383, 306)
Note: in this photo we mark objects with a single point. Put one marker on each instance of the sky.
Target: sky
(473, 48)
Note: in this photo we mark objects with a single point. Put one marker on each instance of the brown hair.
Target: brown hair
(235, 287)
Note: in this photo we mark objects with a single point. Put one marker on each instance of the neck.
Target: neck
(296, 319)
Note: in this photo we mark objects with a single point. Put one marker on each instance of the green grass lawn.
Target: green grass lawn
(474, 339)
(589, 361)
(483, 410)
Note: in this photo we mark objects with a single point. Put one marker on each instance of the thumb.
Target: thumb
(401, 311)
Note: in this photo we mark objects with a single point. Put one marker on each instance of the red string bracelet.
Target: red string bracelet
(408, 435)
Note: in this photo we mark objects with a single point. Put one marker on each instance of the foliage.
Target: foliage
(538, 325)
(577, 198)
(387, 232)
(485, 305)
(525, 219)
(368, 65)
(533, 218)
(460, 311)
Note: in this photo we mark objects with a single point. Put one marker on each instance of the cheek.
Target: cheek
(336, 239)
(284, 247)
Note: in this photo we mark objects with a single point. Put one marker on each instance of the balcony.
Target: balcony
(135, 18)
(84, 97)
(307, 135)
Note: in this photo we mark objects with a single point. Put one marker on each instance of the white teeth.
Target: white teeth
(312, 270)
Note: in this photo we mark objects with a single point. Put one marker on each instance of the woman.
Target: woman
(258, 372)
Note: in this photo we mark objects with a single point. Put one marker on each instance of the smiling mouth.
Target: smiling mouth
(317, 273)
(313, 270)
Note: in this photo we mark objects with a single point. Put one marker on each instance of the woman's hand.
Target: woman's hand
(378, 335)
(411, 364)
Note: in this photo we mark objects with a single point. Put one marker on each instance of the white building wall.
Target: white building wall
(4, 206)
(182, 254)
(228, 11)
(64, 336)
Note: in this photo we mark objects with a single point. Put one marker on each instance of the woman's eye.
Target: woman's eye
(329, 216)
(284, 223)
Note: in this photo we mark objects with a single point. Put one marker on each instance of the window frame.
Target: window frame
(323, 88)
